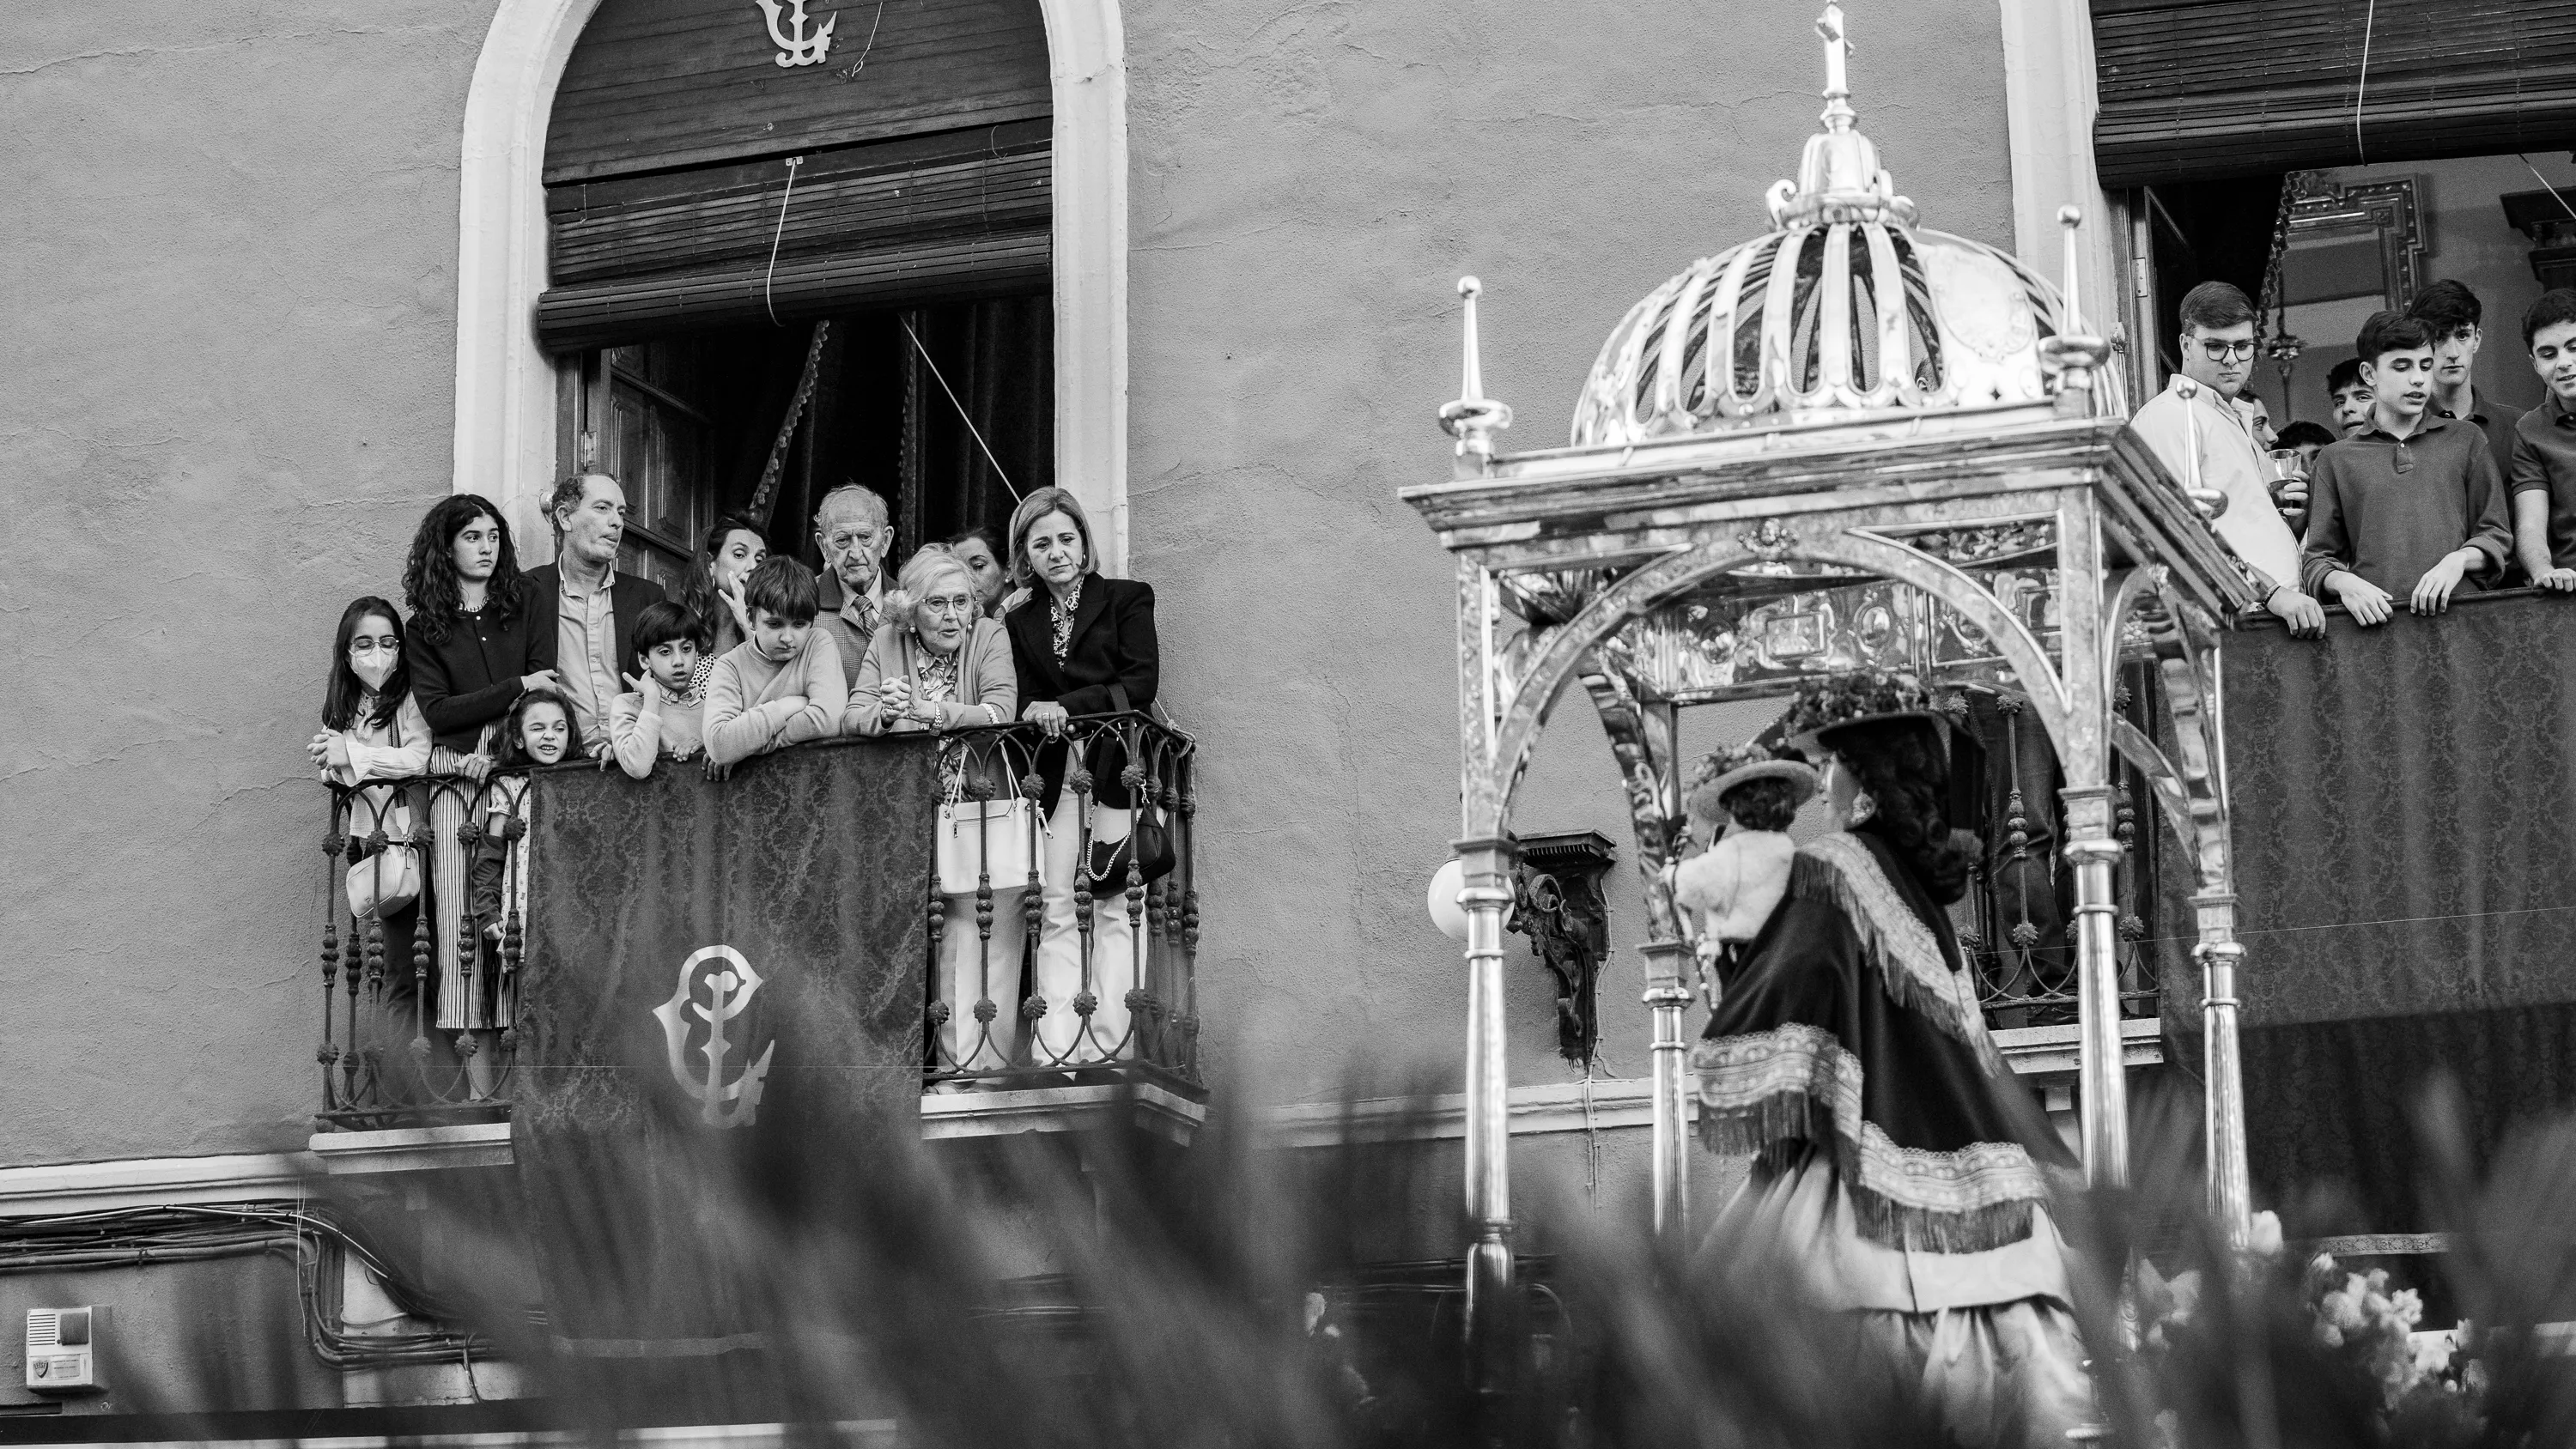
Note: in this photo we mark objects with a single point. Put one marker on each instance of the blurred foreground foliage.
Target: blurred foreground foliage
(1111, 1288)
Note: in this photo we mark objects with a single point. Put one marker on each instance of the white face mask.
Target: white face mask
(373, 668)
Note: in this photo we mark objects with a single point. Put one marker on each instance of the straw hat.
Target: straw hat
(1713, 775)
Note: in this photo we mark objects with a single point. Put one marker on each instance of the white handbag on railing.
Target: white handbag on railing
(388, 880)
(1003, 831)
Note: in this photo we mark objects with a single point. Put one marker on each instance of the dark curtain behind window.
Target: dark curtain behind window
(881, 418)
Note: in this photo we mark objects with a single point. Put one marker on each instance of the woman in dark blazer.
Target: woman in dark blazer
(1081, 643)
(478, 643)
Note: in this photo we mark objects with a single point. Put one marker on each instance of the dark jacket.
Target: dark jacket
(1851, 1028)
(1113, 649)
(627, 596)
(471, 678)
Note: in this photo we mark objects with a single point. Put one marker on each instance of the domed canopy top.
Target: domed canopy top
(1846, 305)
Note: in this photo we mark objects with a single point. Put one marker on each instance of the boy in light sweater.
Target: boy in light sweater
(783, 685)
(663, 714)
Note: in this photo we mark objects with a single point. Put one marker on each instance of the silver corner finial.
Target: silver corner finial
(1474, 418)
(2070, 221)
(2074, 351)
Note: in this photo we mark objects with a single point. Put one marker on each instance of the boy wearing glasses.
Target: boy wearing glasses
(2411, 501)
(2197, 418)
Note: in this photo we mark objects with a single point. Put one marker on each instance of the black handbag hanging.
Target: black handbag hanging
(1149, 837)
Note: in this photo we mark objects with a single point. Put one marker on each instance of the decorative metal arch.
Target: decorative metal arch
(1567, 647)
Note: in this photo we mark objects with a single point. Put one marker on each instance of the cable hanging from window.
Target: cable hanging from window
(775, 237)
(971, 429)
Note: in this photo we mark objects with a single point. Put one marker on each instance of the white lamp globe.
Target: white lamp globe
(1446, 913)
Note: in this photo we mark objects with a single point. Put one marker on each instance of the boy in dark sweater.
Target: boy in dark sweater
(2412, 502)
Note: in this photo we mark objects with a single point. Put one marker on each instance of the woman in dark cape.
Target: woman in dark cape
(1899, 1165)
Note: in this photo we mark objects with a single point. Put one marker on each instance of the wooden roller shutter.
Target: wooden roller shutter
(2201, 89)
(922, 174)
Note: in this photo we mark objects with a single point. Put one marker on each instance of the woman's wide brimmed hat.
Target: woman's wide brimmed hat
(1867, 696)
(1718, 773)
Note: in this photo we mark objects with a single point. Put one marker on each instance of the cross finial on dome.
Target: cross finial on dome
(1838, 112)
(1838, 176)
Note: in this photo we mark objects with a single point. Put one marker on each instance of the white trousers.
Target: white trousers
(1061, 1037)
(970, 970)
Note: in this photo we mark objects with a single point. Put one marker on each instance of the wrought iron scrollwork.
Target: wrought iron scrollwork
(1558, 903)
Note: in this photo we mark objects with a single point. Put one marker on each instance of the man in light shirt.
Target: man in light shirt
(589, 607)
(2197, 414)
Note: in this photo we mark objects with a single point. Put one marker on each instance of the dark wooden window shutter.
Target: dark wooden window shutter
(2202, 89)
(924, 175)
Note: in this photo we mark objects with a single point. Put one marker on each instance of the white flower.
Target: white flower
(2263, 1235)
(2432, 1352)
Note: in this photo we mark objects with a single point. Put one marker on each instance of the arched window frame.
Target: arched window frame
(506, 386)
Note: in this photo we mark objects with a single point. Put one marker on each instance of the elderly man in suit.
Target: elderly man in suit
(852, 529)
(584, 605)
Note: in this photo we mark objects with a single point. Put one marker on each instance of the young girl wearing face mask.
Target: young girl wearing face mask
(373, 732)
(540, 731)
(371, 729)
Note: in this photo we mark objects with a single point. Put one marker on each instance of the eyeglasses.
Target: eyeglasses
(2218, 351)
(849, 538)
(954, 604)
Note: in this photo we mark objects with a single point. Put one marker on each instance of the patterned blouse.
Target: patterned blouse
(1060, 613)
(938, 674)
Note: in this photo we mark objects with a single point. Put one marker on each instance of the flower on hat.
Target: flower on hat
(1842, 699)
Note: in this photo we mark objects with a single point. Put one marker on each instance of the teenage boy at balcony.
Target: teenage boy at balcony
(585, 606)
(2349, 395)
(2411, 502)
(2452, 311)
(2542, 472)
(783, 685)
(2217, 357)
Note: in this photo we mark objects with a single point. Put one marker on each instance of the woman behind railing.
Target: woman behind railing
(938, 664)
(478, 648)
(1083, 644)
(389, 779)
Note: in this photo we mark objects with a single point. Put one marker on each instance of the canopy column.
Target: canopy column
(1486, 896)
(2091, 847)
(1642, 735)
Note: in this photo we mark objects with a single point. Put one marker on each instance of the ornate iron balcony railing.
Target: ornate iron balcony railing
(1125, 938)
(1116, 951)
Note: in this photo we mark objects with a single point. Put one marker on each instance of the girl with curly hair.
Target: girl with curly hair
(477, 647)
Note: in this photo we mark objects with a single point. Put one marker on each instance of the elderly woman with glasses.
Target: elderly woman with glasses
(936, 663)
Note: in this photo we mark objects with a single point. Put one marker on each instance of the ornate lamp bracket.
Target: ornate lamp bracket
(1557, 902)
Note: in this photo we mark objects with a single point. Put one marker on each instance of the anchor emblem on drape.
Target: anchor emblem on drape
(717, 994)
(794, 46)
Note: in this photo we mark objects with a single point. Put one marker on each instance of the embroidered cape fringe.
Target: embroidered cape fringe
(1794, 1083)
(1839, 870)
